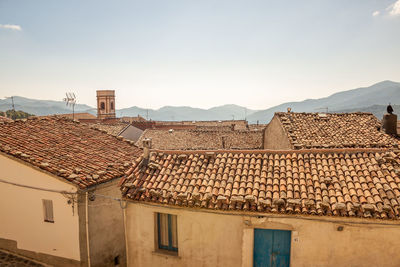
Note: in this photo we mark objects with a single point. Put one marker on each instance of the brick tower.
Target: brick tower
(105, 104)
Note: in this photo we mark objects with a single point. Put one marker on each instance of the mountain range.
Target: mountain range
(372, 99)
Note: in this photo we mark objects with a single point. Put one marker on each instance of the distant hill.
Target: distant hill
(40, 107)
(169, 113)
(372, 99)
(378, 94)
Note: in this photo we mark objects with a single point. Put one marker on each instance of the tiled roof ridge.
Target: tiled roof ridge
(272, 151)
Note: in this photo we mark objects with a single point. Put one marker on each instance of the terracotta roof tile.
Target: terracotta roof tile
(272, 181)
(68, 149)
(334, 130)
(78, 116)
(202, 139)
(5, 119)
(113, 128)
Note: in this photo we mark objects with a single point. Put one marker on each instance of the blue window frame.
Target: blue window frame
(167, 232)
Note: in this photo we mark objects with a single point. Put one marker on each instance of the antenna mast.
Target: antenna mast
(70, 101)
(12, 107)
(326, 109)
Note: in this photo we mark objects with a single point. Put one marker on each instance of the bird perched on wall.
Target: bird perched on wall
(389, 109)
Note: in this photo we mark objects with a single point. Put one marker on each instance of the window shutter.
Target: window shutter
(174, 231)
(48, 210)
(167, 232)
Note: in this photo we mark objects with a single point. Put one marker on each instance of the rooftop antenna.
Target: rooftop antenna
(326, 109)
(70, 101)
(12, 107)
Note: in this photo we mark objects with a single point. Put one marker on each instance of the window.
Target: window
(102, 106)
(167, 232)
(112, 105)
(48, 210)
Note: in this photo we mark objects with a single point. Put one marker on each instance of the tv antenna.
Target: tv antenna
(12, 107)
(324, 108)
(71, 101)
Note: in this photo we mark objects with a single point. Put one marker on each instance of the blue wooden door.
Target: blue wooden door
(271, 248)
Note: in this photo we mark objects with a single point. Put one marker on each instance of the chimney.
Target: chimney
(389, 122)
(223, 141)
(146, 150)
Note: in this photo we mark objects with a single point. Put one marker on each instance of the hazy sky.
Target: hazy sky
(199, 53)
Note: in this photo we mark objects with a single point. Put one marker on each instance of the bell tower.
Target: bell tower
(105, 104)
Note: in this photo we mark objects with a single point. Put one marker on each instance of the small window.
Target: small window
(167, 232)
(102, 105)
(112, 105)
(116, 261)
(48, 210)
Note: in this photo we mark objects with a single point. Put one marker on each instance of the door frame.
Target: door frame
(248, 241)
(269, 229)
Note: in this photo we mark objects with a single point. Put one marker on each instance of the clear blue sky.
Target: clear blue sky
(198, 53)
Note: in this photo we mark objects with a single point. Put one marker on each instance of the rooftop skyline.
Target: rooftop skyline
(199, 54)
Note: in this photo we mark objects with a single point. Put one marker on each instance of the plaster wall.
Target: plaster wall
(275, 136)
(21, 210)
(215, 239)
(106, 226)
(203, 239)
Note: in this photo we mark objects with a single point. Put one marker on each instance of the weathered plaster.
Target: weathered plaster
(226, 239)
(275, 137)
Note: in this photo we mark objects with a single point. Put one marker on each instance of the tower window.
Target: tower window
(102, 106)
(112, 105)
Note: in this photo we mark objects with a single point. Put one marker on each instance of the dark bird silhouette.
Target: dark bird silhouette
(389, 109)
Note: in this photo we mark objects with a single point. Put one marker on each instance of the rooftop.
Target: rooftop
(183, 139)
(79, 116)
(5, 119)
(113, 128)
(330, 182)
(237, 124)
(68, 149)
(335, 130)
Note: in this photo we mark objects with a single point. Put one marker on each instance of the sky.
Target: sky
(202, 54)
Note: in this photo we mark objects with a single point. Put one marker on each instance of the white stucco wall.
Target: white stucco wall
(213, 239)
(21, 212)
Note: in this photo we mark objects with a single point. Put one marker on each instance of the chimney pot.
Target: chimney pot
(146, 148)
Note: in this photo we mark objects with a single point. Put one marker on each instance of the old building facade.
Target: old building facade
(61, 177)
(332, 207)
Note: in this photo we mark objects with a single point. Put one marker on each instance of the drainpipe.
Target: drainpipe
(126, 238)
(87, 229)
